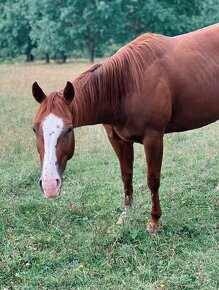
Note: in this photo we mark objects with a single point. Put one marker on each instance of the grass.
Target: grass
(73, 242)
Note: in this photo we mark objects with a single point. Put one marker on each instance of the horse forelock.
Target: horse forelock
(55, 104)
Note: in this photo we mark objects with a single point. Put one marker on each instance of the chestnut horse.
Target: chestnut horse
(152, 86)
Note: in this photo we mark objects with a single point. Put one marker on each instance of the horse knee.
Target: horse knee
(127, 177)
(153, 182)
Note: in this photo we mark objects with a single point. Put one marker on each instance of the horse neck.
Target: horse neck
(91, 112)
(94, 102)
(102, 90)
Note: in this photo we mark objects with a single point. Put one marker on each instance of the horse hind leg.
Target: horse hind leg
(153, 145)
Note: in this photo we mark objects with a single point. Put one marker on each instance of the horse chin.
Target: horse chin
(52, 195)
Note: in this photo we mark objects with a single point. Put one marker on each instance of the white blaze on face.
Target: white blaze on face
(52, 127)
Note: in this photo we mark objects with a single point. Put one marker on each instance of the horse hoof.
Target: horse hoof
(122, 218)
(153, 227)
(217, 188)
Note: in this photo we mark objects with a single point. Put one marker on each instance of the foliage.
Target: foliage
(55, 29)
(48, 31)
(14, 29)
(91, 23)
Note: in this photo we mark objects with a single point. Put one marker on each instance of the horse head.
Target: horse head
(53, 127)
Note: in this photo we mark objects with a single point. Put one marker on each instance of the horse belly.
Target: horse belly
(194, 112)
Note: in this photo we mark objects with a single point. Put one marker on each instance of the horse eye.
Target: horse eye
(69, 131)
(34, 130)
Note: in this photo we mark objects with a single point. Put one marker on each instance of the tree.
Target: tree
(170, 17)
(48, 30)
(56, 28)
(15, 30)
(91, 23)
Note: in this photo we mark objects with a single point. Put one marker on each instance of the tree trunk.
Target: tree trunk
(64, 58)
(47, 58)
(91, 52)
(29, 57)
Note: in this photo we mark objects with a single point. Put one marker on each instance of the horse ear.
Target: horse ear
(38, 93)
(69, 93)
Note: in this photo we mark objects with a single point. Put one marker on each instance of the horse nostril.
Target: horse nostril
(58, 182)
(40, 184)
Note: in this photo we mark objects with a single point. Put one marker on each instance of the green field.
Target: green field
(73, 242)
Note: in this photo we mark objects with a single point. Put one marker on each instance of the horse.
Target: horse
(152, 86)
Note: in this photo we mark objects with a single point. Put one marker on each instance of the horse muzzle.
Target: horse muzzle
(51, 187)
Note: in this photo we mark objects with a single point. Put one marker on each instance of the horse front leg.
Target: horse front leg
(153, 145)
(125, 153)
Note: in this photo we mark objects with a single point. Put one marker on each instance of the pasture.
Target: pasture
(73, 242)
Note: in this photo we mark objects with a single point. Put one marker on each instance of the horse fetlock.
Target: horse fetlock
(156, 214)
(128, 199)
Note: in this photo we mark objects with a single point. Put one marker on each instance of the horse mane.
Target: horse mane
(54, 103)
(108, 83)
(118, 76)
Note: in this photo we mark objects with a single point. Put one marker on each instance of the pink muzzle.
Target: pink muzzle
(51, 186)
